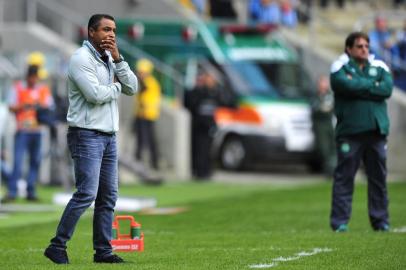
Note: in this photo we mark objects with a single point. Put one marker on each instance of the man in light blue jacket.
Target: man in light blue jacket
(97, 76)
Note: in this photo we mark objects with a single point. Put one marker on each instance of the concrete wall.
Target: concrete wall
(23, 38)
(16, 10)
(123, 8)
(172, 135)
(13, 10)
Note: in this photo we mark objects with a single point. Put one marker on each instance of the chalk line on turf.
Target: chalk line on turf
(400, 230)
(297, 256)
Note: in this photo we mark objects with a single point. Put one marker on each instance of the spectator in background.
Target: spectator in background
(222, 9)
(304, 13)
(26, 98)
(400, 62)
(380, 39)
(322, 118)
(325, 3)
(401, 41)
(254, 9)
(265, 11)
(288, 13)
(398, 3)
(274, 12)
(200, 6)
(147, 110)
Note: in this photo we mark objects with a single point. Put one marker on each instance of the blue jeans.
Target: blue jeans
(5, 172)
(31, 142)
(95, 162)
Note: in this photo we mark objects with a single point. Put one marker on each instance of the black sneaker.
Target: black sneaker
(112, 258)
(383, 228)
(32, 198)
(57, 256)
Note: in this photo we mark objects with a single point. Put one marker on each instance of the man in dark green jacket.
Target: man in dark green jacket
(361, 86)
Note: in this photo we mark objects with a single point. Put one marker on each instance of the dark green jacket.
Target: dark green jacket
(360, 96)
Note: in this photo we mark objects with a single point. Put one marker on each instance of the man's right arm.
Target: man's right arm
(359, 87)
(83, 73)
(346, 85)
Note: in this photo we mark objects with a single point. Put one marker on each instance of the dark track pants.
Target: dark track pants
(371, 149)
(201, 157)
(145, 130)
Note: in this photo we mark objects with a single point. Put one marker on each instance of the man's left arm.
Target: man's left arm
(383, 86)
(126, 77)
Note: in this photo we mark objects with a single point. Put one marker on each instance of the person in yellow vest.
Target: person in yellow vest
(147, 109)
(25, 100)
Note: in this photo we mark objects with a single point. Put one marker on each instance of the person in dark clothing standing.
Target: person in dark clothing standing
(222, 9)
(361, 86)
(322, 118)
(202, 103)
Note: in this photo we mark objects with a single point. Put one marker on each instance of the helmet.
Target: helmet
(144, 65)
(38, 59)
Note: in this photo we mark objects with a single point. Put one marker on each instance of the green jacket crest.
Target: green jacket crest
(360, 95)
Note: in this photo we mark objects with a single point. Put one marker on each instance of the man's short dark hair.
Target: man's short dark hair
(32, 70)
(94, 21)
(350, 40)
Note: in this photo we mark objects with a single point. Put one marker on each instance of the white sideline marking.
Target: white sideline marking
(129, 204)
(259, 266)
(297, 256)
(400, 230)
(283, 259)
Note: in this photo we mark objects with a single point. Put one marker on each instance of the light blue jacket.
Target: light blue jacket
(93, 94)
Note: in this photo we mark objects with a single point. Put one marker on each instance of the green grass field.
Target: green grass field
(226, 227)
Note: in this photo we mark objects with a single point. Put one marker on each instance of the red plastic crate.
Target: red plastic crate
(127, 242)
(128, 245)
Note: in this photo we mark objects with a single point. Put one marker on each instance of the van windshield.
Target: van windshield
(276, 80)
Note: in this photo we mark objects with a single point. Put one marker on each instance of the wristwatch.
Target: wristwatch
(120, 59)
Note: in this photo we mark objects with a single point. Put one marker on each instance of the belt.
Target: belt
(93, 130)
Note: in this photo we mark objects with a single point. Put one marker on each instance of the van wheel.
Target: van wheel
(233, 154)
